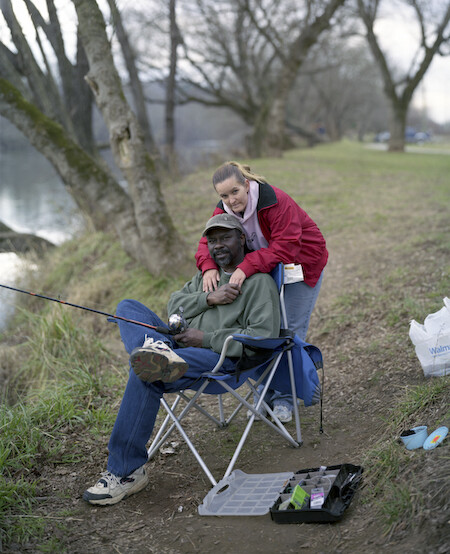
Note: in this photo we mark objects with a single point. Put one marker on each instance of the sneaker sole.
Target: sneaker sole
(151, 366)
(107, 500)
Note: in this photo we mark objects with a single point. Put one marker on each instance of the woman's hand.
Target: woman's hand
(238, 277)
(210, 279)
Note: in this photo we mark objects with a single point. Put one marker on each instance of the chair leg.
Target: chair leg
(204, 412)
(294, 398)
(189, 443)
(221, 412)
(158, 441)
(281, 431)
(291, 371)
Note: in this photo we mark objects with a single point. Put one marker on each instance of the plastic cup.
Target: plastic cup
(415, 437)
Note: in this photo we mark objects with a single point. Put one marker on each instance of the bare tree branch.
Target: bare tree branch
(28, 66)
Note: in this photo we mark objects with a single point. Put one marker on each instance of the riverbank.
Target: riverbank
(386, 223)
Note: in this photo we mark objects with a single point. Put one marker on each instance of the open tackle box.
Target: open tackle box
(314, 495)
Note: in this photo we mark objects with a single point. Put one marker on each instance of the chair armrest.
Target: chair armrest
(267, 343)
(223, 353)
(254, 343)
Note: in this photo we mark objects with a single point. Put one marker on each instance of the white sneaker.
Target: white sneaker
(111, 489)
(154, 361)
(282, 412)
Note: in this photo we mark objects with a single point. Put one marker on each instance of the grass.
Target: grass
(384, 459)
(389, 210)
(16, 503)
(42, 429)
(398, 482)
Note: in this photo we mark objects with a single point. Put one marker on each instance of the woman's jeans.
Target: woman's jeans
(299, 299)
(141, 401)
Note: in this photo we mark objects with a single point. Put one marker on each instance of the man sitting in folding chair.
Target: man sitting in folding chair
(162, 363)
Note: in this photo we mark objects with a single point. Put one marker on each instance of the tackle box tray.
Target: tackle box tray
(242, 494)
(339, 485)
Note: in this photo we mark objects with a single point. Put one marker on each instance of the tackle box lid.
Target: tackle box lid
(242, 494)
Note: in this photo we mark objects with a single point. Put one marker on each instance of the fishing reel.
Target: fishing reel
(177, 324)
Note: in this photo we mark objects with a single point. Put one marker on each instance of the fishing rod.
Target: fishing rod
(173, 330)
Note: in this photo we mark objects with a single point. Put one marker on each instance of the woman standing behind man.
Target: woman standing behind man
(278, 230)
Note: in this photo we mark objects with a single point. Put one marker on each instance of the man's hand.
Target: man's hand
(210, 279)
(190, 337)
(224, 294)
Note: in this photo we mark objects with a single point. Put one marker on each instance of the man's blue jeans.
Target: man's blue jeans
(140, 403)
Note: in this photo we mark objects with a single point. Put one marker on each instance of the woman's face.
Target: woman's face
(234, 194)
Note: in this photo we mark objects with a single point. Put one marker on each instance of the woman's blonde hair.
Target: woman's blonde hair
(235, 169)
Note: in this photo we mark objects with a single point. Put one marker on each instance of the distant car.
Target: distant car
(410, 133)
(382, 137)
(420, 137)
(416, 137)
(411, 136)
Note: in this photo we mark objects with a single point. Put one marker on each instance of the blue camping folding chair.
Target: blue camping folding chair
(283, 363)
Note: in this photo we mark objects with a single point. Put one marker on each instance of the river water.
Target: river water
(32, 200)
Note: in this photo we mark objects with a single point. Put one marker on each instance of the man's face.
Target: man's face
(226, 247)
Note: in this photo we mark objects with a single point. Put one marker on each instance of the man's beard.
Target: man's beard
(225, 257)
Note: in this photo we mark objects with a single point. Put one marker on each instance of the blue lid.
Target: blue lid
(435, 438)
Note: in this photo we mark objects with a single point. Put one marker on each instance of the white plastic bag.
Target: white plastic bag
(432, 341)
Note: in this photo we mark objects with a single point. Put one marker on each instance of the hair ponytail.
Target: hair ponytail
(235, 169)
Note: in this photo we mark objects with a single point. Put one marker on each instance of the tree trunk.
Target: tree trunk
(332, 125)
(43, 89)
(161, 247)
(82, 108)
(397, 127)
(53, 32)
(94, 190)
(269, 136)
(170, 152)
(269, 129)
(257, 141)
(135, 83)
(311, 138)
(65, 98)
(275, 139)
